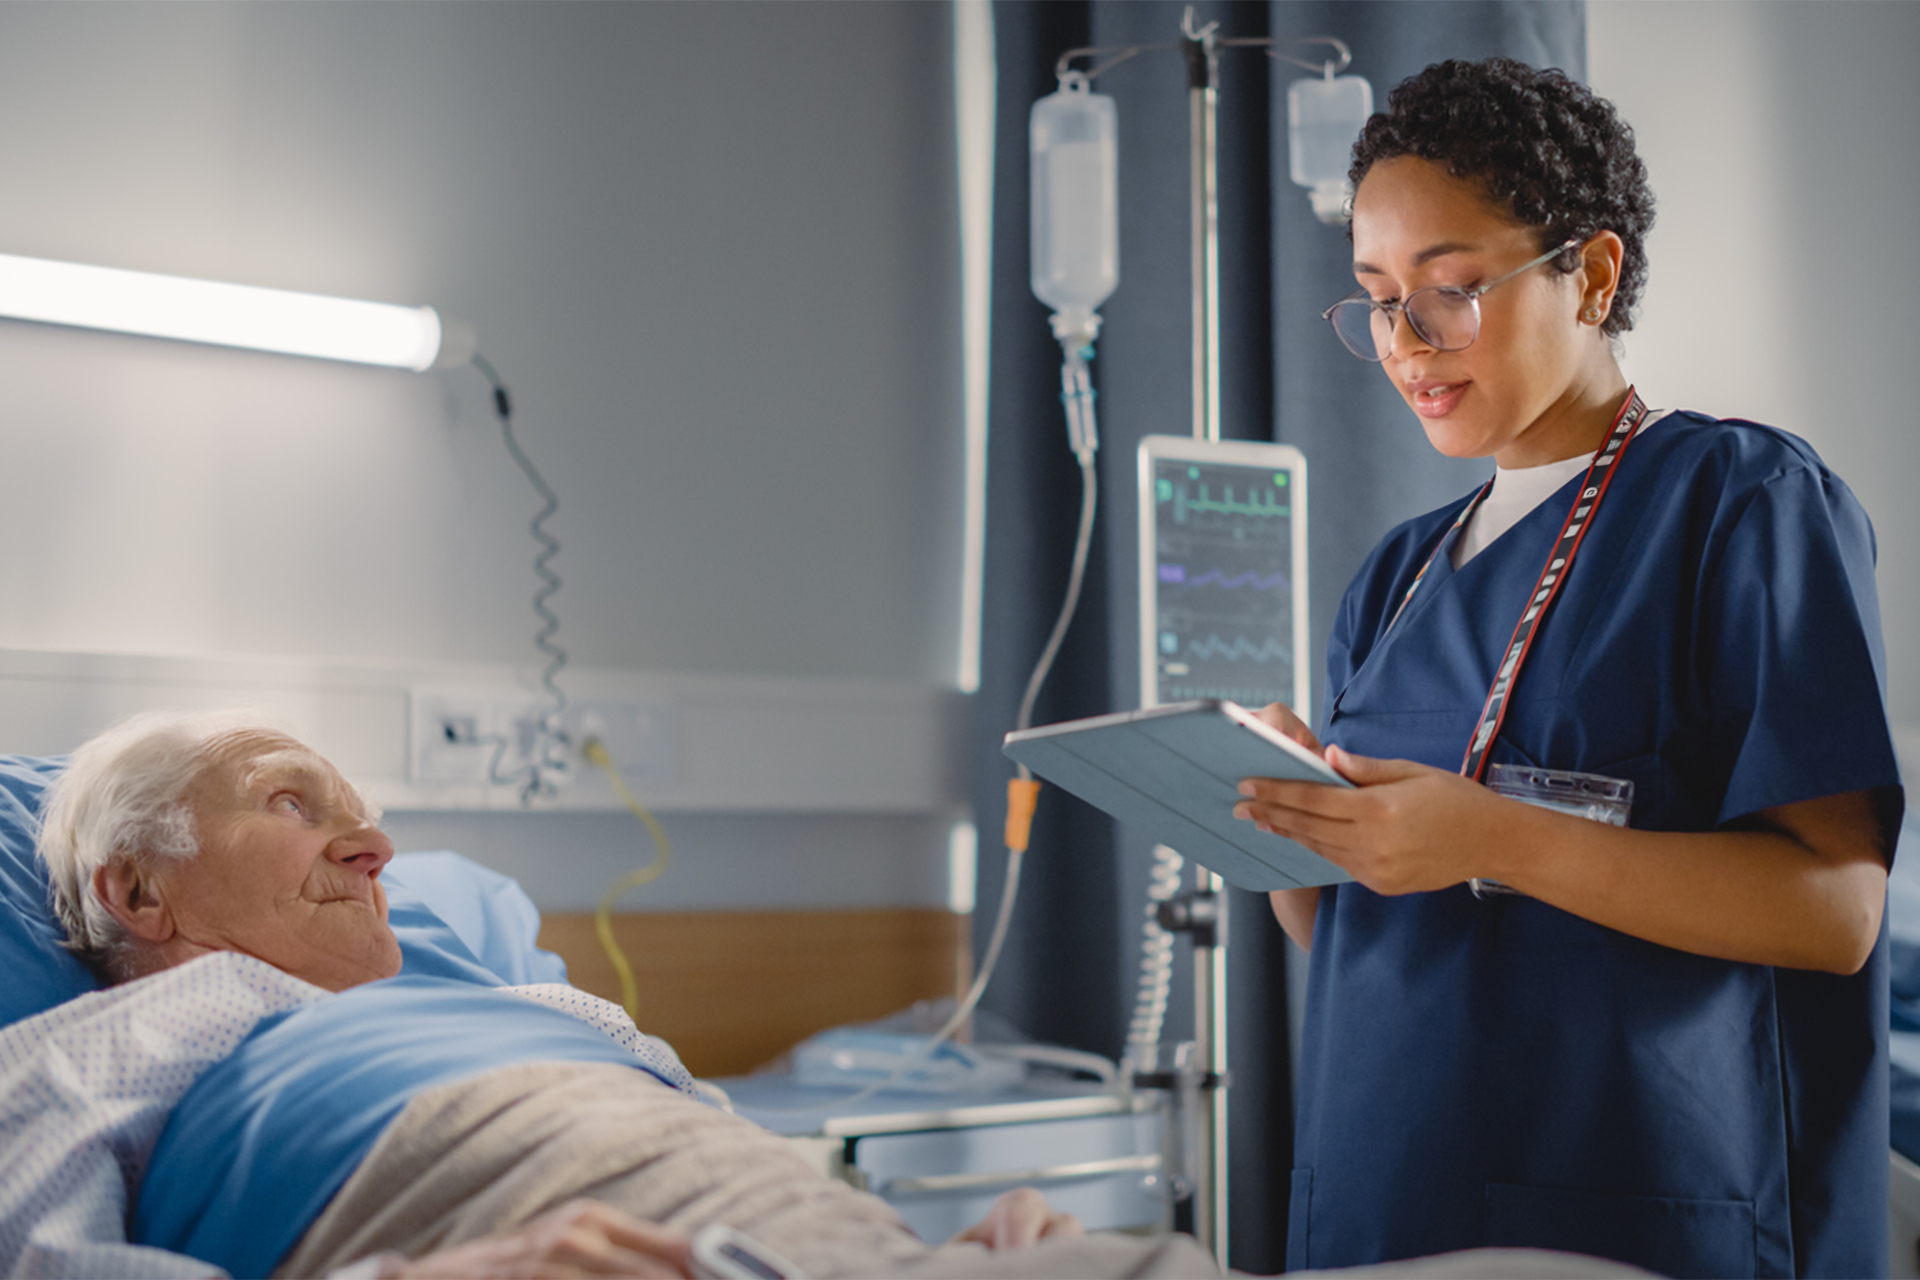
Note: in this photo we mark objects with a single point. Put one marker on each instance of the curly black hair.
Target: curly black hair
(1546, 148)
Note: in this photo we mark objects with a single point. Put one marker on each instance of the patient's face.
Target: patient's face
(288, 869)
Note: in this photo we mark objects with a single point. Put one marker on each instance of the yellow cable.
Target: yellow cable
(596, 753)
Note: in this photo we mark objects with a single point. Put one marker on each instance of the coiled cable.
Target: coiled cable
(1156, 963)
(546, 752)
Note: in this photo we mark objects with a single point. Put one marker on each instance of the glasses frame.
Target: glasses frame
(1470, 296)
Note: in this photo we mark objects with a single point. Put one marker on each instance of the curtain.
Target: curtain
(1069, 969)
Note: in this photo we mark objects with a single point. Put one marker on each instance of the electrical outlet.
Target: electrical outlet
(448, 743)
(640, 738)
(455, 734)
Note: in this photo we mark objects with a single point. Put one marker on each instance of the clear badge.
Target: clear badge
(1584, 795)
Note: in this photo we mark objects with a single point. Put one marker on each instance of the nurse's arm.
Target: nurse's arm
(1295, 909)
(1801, 885)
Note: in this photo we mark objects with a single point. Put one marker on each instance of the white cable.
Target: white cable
(960, 1015)
(1080, 413)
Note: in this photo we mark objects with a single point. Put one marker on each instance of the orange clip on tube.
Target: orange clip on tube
(1022, 795)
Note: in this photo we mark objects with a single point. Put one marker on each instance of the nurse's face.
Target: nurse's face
(1522, 392)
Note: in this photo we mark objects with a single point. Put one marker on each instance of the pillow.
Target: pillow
(454, 918)
(40, 973)
(490, 913)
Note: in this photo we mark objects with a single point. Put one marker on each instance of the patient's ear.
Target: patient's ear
(131, 894)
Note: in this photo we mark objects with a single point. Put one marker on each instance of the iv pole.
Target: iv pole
(1205, 914)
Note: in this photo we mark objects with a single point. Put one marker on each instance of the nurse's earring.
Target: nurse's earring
(1591, 315)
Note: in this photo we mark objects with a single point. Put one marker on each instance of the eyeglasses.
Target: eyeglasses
(1444, 316)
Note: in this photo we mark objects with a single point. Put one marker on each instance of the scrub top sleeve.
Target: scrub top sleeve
(1792, 648)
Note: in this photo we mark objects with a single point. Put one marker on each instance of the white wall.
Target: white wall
(712, 248)
(1785, 273)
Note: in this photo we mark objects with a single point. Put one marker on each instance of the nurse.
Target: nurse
(1665, 1042)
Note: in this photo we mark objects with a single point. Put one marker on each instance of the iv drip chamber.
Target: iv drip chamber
(1324, 117)
(1073, 136)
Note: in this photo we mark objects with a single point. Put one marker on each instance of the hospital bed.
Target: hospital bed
(940, 1161)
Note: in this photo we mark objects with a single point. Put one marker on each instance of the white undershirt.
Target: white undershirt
(1516, 492)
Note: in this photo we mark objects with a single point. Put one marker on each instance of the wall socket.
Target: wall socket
(457, 737)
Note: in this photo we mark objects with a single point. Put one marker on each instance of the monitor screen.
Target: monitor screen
(1223, 600)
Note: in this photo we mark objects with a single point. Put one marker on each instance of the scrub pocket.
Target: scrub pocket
(1671, 1237)
(1299, 1209)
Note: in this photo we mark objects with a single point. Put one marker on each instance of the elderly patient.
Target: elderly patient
(410, 1124)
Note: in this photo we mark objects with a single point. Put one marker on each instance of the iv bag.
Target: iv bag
(1324, 117)
(1073, 137)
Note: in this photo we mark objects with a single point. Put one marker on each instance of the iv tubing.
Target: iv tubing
(1081, 427)
(1089, 496)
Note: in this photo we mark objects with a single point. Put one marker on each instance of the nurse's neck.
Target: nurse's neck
(1575, 425)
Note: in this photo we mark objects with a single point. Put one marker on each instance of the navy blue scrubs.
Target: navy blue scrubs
(1500, 1072)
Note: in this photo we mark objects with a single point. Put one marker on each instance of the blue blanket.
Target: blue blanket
(260, 1144)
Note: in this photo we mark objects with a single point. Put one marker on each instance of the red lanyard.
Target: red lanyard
(1546, 589)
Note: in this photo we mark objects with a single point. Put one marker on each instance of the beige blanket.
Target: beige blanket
(480, 1157)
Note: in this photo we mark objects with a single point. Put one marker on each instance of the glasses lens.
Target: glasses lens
(1447, 318)
(1366, 331)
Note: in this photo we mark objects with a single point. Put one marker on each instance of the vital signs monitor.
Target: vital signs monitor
(1223, 573)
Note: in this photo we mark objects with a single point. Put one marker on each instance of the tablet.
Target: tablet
(1174, 772)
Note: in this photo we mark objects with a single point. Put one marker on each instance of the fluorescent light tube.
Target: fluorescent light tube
(230, 315)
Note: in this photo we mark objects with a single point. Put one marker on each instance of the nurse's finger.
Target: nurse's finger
(1280, 716)
(1372, 771)
(1308, 797)
(1331, 838)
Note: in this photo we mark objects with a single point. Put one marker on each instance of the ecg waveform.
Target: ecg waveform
(1227, 506)
(1177, 573)
(1195, 496)
(1240, 649)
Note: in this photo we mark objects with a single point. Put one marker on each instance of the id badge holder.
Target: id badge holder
(1584, 795)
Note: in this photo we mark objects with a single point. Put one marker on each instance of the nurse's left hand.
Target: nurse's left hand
(1404, 828)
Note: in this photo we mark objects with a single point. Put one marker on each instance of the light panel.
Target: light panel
(228, 315)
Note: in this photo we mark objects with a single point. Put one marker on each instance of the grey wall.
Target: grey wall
(1785, 287)
(711, 247)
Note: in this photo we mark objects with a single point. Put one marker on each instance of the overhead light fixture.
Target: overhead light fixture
(230, 315)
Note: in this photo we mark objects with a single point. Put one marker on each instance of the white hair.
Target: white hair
(124, 796)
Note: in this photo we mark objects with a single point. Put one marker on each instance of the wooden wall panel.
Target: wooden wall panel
(731, 989)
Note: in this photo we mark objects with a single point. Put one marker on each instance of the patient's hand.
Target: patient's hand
(1019, 1218)
(582, 1238)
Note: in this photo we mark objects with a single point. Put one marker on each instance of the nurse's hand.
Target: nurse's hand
(1279, 715)
(1404, 828)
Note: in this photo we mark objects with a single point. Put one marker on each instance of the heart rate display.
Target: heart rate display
(1223, 608)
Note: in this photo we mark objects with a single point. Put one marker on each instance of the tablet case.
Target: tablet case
(1174, 773)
